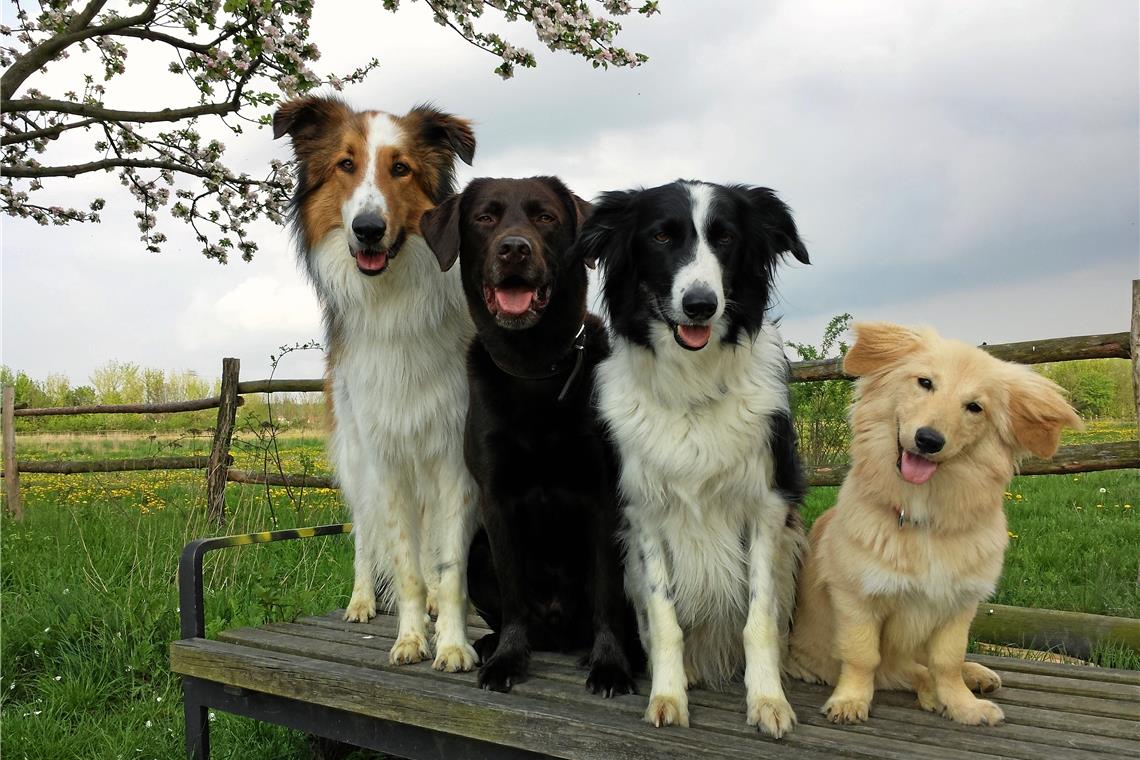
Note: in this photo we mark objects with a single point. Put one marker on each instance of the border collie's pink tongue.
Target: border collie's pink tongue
(694, 336)
(372, 261)
(514, 301)
(916, 469)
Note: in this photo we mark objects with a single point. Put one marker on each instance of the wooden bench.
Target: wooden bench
(332, 679)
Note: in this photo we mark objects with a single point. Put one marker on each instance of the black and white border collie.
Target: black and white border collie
(397, 330)
(695, 395)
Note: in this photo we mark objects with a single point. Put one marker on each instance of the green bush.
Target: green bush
(819, 409)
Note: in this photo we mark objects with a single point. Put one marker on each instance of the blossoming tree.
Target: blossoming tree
(239, 57)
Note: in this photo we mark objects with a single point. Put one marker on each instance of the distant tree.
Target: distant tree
(1096, 387)
(154, 386)
(820, 408)
(84, 395)
(57, 388)
(235, 59)
(118, 383)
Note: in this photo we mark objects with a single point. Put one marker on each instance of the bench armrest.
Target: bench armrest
(191, 611)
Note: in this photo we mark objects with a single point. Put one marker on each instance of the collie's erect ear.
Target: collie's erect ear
(440, 228)
(776, 221)
(304, 118)
(1037, 413)
(445, 131)
(879, 345)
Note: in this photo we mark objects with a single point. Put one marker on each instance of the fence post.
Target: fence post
(11, 470)
(1134, 347)
(218, 465)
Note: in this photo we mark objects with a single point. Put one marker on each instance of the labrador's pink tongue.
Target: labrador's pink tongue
(916, 469)
(514, 301)
(694, 336)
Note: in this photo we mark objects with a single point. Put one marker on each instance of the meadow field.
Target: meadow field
(90, 599)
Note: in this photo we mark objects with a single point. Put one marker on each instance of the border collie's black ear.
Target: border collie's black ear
(776, 221)
(440, 228)
(303, 118)
(445, 130)
(599, 235)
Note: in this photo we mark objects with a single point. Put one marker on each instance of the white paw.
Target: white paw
(772, 715)
(980, 678)
(845, 710)
(361, 608)
(668, 710)
(455, 658)
(408, 649)
(979, 712)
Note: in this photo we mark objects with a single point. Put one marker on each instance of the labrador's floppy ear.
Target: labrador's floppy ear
(440, 228)
(879, 345)
(1037, 413)
(582, 211)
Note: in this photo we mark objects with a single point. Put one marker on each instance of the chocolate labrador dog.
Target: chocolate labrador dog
(545, 570)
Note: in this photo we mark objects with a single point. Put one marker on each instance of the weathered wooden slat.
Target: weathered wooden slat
(81, 466)
(278, 479)
(1112, 346)
(1046, 668)
(816, 734)
(283, 385)
(435, 703)
(163, 408)
(1074, 686)
(1080, 733)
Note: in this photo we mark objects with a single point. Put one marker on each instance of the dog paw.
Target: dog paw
(408, 649)
(503, 670)
(772, 715)
(486, 645)
(610, 678)
(361, 608)
(455, 658)
(842, 710)
(980, 678)
(979, 712)
(668, 710)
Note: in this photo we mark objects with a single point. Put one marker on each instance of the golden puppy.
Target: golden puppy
(896, 569)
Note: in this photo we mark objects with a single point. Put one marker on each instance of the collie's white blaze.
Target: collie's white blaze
(368, 197)
(705, 268)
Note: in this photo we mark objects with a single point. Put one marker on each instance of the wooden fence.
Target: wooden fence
(1069, 459)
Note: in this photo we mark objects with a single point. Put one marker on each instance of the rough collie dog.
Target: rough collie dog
(896, 569)
(696, 397)
(396, 333)
(545, 573)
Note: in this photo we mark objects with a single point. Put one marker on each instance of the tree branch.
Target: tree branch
(110, 114)
(77, 31)
(48, 133)
(94, 166)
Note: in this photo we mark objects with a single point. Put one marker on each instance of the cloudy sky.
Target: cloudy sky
(972, 165)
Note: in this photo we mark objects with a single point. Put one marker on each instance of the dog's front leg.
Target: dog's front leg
(508, 664)
(668, 702)
(402, 531)
(453, 523)
(610, 671)
(856, 643)
(767, 707)
(946, 651)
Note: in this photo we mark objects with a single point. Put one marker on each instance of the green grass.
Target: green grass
(90, 600)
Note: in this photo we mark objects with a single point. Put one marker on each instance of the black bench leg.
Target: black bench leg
(197, 724)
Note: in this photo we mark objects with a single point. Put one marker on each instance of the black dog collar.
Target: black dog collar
(575, 356)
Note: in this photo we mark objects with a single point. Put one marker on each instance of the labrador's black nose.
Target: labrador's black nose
(513, 249)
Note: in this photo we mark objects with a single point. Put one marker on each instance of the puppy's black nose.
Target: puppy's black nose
(928, 440)
(699, 302)
(514, 248)
(369, 229)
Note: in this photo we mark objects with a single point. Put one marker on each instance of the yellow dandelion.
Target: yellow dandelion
(1012, 534)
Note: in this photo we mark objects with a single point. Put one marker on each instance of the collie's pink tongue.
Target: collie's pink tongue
(514, 301)
(694, 336)
(372, 261)
(916, 469)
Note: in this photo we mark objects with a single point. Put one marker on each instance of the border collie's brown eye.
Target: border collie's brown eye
(346, 165)
(400, 169)
(545, 219)
(974, 407)
(662, 237)
(726, 238)
(926, 383)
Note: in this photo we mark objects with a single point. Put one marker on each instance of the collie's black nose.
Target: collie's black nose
(369, 229)
(514, 248)
(928, 440)
(699, 303)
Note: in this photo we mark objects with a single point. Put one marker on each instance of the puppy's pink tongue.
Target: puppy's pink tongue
(916, 469)
(514, 301)
(694, 336)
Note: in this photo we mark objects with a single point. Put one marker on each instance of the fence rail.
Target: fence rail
(1069, 459)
